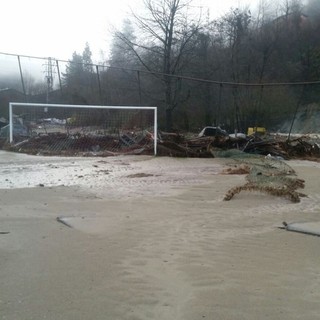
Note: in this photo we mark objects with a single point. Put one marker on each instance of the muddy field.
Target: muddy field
(151, 238)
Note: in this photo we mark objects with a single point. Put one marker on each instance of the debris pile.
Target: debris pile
(169, 144)
(207, 146)
(259, 157)
(83, 144)
(302, 148)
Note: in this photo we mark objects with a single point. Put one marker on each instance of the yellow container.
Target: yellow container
(256, 130)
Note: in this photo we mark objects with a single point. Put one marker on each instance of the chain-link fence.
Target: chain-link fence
(286, 108)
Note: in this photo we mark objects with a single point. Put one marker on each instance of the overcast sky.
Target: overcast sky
(58, 28)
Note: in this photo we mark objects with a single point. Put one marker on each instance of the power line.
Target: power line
(216, 82)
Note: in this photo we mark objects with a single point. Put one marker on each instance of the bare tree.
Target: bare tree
(34, 86)
(164, 43)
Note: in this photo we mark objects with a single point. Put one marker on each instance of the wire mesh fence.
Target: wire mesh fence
(74, 129)
(279, 107)
(265, 174)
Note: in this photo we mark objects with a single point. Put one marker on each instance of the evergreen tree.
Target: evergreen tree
(74, 71)
(79, 79)
(87, 59)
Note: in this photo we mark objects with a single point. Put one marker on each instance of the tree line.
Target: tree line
(202, 72)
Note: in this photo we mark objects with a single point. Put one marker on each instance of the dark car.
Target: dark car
(213, 131)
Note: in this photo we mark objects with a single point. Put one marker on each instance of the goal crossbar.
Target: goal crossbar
(16, 104)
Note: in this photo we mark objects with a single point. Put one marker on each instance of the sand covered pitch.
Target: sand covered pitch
(151, 238)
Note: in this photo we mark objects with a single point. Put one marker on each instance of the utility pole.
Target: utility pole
(49, 76)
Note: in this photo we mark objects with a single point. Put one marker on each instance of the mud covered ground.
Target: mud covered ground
(151, 238)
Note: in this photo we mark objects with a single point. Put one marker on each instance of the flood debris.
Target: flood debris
(267, 175)
(284, 191)
(140, 175)
(203, 145)
(258, 156)
(237, 169)
(84, 144)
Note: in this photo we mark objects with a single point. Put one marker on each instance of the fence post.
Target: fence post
(99, 84)
(10, 123)
(22, 81)
(59, 77)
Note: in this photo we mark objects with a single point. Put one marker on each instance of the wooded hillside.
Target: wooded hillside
(237, 71)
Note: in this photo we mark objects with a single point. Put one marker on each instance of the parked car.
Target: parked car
(213, 131)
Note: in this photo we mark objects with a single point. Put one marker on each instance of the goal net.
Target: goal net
(60, 129)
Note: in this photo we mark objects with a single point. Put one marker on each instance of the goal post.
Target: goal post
(94, 125)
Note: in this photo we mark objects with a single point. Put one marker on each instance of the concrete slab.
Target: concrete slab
(312, 228)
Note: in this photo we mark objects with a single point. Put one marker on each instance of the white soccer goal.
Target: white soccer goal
(68, 129)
